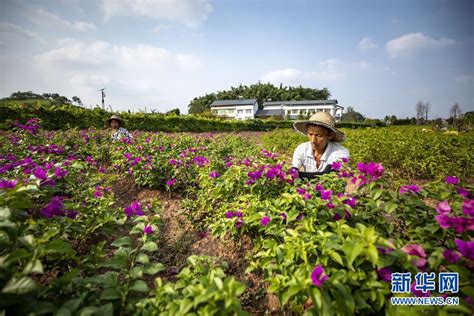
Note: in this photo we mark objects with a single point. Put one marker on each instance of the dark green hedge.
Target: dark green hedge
(69, 116)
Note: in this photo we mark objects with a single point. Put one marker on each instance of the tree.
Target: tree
(173, 112)
(455, 111)
(352, 116)
(77, 100)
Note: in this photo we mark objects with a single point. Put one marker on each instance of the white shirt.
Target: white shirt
(303, 156)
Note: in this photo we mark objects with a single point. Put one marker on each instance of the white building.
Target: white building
(241, 109)
(294, 109)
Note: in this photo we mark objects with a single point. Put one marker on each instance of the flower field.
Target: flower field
(203, 224)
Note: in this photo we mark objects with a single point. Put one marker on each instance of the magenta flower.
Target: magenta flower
(238, 214)
(451, 256)
(443, 207)
(319, 187)
(352, 202)
(466, 248)
(326, 194)
(265, 220)
(468, 207)
(71, 214)
(330, 205)
(345, 160)
(229, 214)
(443, 220)
(171, 182)
(97, 193)
(54, 208)
(7, 184)
(239, 223)
(301, 191)
(409, 189)
(336, 165)
(461, 224)
(307, 196)
(214, 174)
(463, 192)
(228, 164)
(283, 217)
(148, 229)
(385, 274)
(40, 173)
(254, 175)
(451, 180)
(134, 209)
(60, 173)
(318, 276)
(200, 161)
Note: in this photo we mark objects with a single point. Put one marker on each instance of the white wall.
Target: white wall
(241, 112)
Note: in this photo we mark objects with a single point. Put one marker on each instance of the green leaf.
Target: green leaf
(150, 246)
(153, 268)
(352, 251)
(44, 308)
(142, 258)
(72, 305)
(106, 310)
(124, 241)
(4, 213)
(116, 262)
(88, 311)
(29, 240)
(372, 254)
(110, 294)
(136, 273)
(139, 286)
(17, 254)
(289, 293)
(33, 267)
(20, 285)
(59, 246)
(335, 257)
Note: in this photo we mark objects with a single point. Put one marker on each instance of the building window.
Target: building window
(230, 111)
(295, 112)
(240, 111)
(248, 111)
(288, 112)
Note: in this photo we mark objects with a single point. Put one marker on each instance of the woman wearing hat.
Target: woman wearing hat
(115, 123)
(322, 148)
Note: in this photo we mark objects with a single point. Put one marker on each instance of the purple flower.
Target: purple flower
(443, 220)
(409, 189)
(228, 164)
(134, 209)
(463, 192)
(254, 175)
(238, 214)
(451, 180)
(468, 207)
(319, 187)
(300, 217)
(301, 191)
(239, 223)
(7, 184)
(40, 173)
(352, 202)
(326, 194)
(200, 161)
(385, 274)
(171, 182)
(336, 165)
(443, 207)
(71, 214)
(318, 276)
(451, 256)
(283, 217)
(229, 214)
(330, 205)
(214, 174)
(97, 193)
(265, 220)
(173, 162)
(54, 208)
(461, 224)
(345, 160)
(375, 169)
(468, 300)
(148, 229)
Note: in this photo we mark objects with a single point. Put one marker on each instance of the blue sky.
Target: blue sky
(379, 57)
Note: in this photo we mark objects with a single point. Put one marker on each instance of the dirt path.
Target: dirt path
(180, 239)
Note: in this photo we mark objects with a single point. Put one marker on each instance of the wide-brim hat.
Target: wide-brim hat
(320, 119)
(114, 117)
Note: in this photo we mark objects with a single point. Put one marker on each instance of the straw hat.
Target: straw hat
(114, 117)
(322, 119)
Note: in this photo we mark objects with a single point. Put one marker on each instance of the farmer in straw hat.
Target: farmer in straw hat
(115, 123)
(322, 148)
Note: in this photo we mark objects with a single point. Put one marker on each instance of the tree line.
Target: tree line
(259, 91)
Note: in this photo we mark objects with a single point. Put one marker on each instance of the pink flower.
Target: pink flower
(318, 276)
(171, 182)
(409, 189)
(326, 195)
(466, 248)
(418, 251)
(265, 220)
(443, 207)
(214, 174)
(7, 184)
(443, 220)
(451, 180)
(336, 165)
(330, 205)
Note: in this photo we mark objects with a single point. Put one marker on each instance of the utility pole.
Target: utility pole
(103, 97)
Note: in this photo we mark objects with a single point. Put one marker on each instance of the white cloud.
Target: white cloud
(45, 17)
(143, 73)
(327, 70)
(7, 29)
(366, 44)
(410, 44)
(187, 12)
